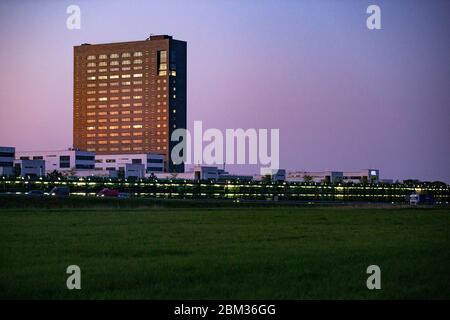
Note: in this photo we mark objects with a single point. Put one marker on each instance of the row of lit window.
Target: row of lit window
(114, 134)
(113, 63)
(91, 142)
(113, 120)
(135, 126)
(104, 113)
(123, 76)
(104, 106)
(113, 98)
(114, 149)
(114, 91)
(114, 69)
(116, 55)
(105, 84)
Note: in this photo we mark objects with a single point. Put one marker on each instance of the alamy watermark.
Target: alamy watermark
(235, 146)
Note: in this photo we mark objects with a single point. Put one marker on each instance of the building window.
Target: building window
(137, 54)
(114, 55)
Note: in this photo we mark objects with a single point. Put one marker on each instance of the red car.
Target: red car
(105, 192)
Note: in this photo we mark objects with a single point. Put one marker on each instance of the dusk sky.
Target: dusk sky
(344, 97)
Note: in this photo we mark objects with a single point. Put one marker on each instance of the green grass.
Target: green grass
(225, 253)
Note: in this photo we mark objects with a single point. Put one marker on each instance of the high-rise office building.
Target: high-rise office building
(130, 96)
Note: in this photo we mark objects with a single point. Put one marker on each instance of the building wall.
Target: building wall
(7, 155)
(151, 162)
(62, 160)
(31, 168)
(120, 111)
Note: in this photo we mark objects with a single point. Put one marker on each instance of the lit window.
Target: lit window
(126, 127)
(90, 114)
(102, 84)
(91, 57)
(126, 68)
(114, 113)
(137, 126)
(137, 97)
(137, 61)
(102, 56)
(126, 62)
(90, 128)
(126, 55)
(126, 119)
(91, 78)
(114, 120)
(126, 83)
(102, 64)
(90, 135)
(102, 77)
(126, 97)
(114, 77)
(162, 73)
(91, 64)
(102, 128)
(137, 75)
(125, 134)
(91, 85)
(126, 76)
(137, 68)
(114, 55)
(91, 71)
(137, 54)
(103, 99)
(114, 127)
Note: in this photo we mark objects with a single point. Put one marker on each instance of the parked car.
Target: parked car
(124, 195)
(60, 192)
(35, 193)
(105, 192)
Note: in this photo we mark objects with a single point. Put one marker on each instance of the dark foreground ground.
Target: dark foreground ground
(225, 253)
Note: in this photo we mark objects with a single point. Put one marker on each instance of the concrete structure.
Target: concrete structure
(274, 174)
(30, 168)
(365, 175)
(7, 155)
(152, 162)
(62, 160)
(134, 171)
(315, 176)
(130, 96)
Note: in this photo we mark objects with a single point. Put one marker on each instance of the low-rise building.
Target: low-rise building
(7, 155)
(362, 176)
(30, 168)
(62, 160)
(315, 176)
(274, 174)
(152, 162)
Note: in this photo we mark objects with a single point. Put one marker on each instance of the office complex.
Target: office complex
(61, 160)
(129, 97)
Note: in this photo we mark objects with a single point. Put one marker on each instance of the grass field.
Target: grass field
(225, 253)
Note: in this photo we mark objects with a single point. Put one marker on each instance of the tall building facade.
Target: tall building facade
(130, 96)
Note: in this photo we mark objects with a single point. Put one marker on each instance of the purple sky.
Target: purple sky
(344, 97)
